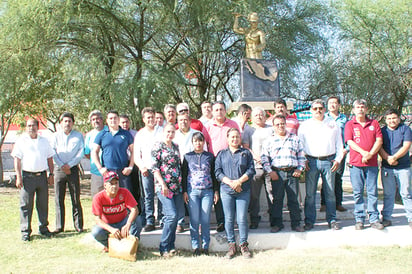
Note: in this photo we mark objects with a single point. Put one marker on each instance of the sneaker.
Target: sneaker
(377, 225)
(244, 249)
(205, 252)
(196, 252)
(322, 208)
(308, 226)
(276, 229)
(180, 229)
(298, 228)
(232, 251)
(173, 252)
(359, 226)
(149, 228)
(340, 208)
(386, 223)
(334, 226)
(220, 228)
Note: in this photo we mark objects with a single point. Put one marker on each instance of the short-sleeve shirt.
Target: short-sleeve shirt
(33, 153)
(365, 138)
(114, 210)
(218, 134)
(114, 148)
(393, 142)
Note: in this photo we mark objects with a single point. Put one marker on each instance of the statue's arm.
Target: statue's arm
(236, 27)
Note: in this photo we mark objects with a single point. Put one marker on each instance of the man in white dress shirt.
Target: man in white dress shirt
(33, 155)
(143, 144)
(323, 148)
(68, 146)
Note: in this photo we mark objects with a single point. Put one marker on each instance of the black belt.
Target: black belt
(40, 173)
(322, 158)
(285, 168)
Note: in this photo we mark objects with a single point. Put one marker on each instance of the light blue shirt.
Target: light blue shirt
(341, 122)
(88, 147)
(68, 148)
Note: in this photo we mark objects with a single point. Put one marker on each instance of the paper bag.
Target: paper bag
(125, 248)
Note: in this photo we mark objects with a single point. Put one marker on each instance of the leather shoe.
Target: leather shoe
(46, 234)
(149, 228)
(276, 229)
(386, 223)
(359, 226)
(25, 238)
(298, 228)
(340, 208)
(253, 226)
(220, 228)
(180, 229)
(377, 225)
(308, 226)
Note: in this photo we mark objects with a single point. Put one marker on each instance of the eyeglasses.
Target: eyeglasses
(317, 108)
(183, 110)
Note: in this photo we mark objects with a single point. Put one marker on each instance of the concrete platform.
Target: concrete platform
(261, 239)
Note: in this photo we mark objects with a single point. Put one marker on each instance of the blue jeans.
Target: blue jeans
(320, 168)
(172, 207)
(361, 177)
(200, 206)
(101, 235)
(390, 179)
(236, 204)
(149, 192)
(289, 184)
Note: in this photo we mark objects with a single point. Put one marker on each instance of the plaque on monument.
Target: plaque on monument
(259, 80)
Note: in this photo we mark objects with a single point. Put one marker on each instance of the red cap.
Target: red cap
(110, 176)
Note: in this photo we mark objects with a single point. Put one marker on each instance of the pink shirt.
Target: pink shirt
(292, 124)
(218, 133)
(365, 138)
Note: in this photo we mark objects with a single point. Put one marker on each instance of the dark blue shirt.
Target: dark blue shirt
(198, 171)
(393, 142)
(233, 166)
(114, 148)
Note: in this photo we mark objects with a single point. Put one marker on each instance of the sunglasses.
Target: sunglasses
(317, 108)
(183, 110)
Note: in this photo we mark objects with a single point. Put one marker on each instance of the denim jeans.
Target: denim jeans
(236, 204)
(149, 192)
(200, 206)
(320, 168)
(260, 178)
(338, 185)
(101, 235)
(172, 207)
(390, 179)
(361, 177)
(289, 184)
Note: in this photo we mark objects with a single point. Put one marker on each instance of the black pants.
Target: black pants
(34, 184)
(73, 183)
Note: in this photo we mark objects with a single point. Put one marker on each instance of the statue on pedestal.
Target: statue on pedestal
(259, 77)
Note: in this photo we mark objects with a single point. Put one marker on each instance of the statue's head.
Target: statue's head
(253, 17)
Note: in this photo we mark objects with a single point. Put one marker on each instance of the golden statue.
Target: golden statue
(254, 37)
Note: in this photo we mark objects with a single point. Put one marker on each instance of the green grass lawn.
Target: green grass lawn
(68, 253)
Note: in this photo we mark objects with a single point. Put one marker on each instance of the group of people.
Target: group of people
(192, 165)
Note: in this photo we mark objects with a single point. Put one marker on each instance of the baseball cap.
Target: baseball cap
(109, 176)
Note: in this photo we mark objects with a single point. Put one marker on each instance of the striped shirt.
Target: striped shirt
(282, 153)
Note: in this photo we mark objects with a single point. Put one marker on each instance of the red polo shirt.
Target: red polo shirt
(365, 138)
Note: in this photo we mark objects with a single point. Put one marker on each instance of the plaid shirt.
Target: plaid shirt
(283, 153)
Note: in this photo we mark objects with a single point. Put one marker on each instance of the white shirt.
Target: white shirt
(69, 149)
(184, 141)
(33, 153)
(255, 137)
(321, 138)
(143, 144)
